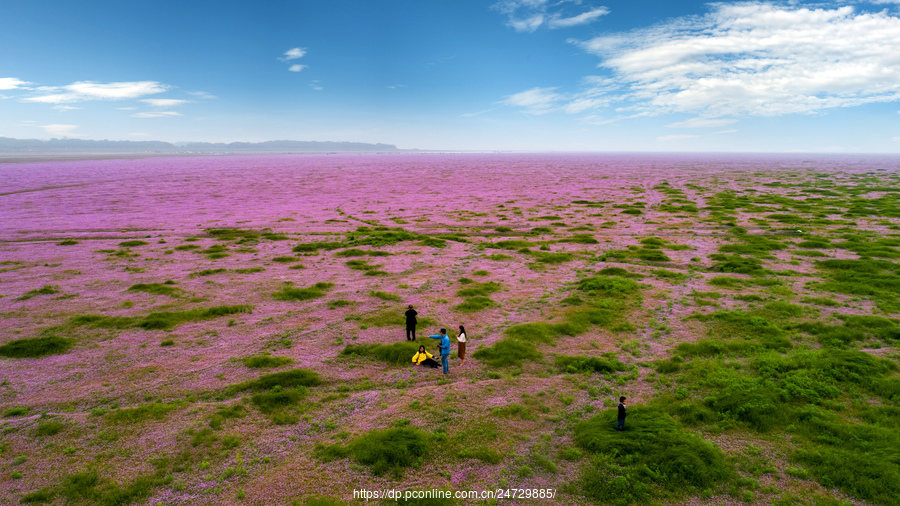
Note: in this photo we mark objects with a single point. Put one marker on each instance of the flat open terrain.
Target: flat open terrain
(229, 330)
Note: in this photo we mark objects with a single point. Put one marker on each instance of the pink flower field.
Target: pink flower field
(230, 330)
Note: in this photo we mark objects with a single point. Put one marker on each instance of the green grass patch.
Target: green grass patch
(249, 270)
(608, 286)
(726, 282)
(286, 379)
(165, 288)
(278, 399)
(265, 361)
(160, 321)
(154, 410)
(397, 353)
(652, 457)
(474, 304)
(36, 347)
(385, 295)
(670, 276)
(821, 301)
(44, 290)
(553, 258)
(209, 272)
(16, 411)
(314, 247)
(131, 244)
(511, 244)
(581, 239)
(576, 364)
(389, 450)
(354, 252)
(483, 454)
(339, 303)
(287, 292)
(480, 289)
(49, 427)
(507, 352)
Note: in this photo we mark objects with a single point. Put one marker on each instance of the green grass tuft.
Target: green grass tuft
(157, 289)
(44, 290)
(474, 304)
(397, 353)
(285, 379)
(653, 455)
(313, 292)
(389, 450)
(385, 295)
(36, 347)
(154, 410)
(266, 361)
(608, 286)
(576, 364)
(507, 352)
(480, 289)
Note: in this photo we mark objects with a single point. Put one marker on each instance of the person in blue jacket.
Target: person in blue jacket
(445, 349)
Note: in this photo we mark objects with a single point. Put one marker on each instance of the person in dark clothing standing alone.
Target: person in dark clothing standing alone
(411, 323)
(621, 418)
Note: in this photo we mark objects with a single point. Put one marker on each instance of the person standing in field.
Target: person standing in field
(621, 418)
(411, 323)
(461, 345)
(445, 349)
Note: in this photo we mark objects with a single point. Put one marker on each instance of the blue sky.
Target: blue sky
(534, 75)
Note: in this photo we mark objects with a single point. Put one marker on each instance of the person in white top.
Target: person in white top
(461, 343)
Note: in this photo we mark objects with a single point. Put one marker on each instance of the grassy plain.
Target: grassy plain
(231, 331)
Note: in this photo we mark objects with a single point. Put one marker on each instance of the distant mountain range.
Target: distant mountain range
(37, 146)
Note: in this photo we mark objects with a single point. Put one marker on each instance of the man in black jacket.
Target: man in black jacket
(621, 418)
(411, 323)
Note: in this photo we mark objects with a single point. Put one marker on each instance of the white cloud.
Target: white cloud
(160, 114)
(395, 86)
(729, 131)
(201, 94)
(896, 139)
(527, 25)
(125, 108)
(11, 83)
(296, 68)
(164, 102)
(293, 54)
(535, 100)
(581, 19)
(65, 107)
(756, 59)
(674, 138)
(529, 15)
(88, 90)
(703, 123)
(61, 130)
(316, 85)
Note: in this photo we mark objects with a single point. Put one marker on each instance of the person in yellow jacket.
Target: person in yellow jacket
(425, 358)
